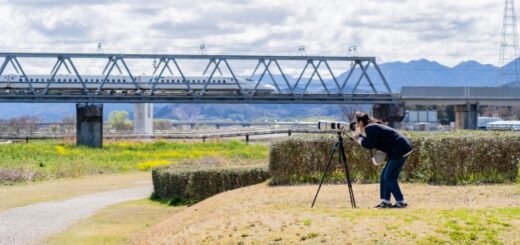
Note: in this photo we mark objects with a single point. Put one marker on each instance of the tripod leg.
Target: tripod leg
(325, 173)
(347, 174)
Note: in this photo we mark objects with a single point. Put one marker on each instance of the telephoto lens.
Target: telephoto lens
(325, 125)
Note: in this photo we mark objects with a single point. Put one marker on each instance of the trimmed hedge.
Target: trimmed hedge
(186, 184)
(459, 157)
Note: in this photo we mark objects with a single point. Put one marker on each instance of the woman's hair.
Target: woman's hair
(363, 117)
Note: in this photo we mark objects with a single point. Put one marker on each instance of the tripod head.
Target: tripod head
(341, 135)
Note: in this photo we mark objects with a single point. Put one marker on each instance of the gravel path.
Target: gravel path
(30, 224)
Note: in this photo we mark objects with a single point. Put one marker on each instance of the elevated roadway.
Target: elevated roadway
(499, 96)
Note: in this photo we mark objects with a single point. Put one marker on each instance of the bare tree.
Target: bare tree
(505, 112)
(27, 124)
(69, 123)
(349, 111)
(162, 124)
(118, 120)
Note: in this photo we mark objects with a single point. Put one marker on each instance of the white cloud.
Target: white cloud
(446, 31)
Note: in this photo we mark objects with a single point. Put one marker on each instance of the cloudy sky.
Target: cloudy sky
(441, 30)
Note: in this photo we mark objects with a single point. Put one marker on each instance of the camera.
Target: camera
(326, 125)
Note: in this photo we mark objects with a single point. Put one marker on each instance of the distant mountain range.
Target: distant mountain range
(430, 73)
(414, 73)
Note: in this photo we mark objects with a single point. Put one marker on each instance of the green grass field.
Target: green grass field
(41, 160)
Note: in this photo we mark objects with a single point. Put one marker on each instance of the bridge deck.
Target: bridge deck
(460, 95)
(408, 95)
(218, 99)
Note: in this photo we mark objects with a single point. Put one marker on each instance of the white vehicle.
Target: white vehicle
(165, 84)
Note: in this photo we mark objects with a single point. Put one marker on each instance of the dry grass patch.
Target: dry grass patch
(25, 194)
(116, 224)
(261, 215)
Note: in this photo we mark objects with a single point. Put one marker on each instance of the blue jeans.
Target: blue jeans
(388, 181)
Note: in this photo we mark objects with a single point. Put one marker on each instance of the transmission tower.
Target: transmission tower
(509, 46)
(202, 49)
(352, 51)
(99, 48)
(301, 50)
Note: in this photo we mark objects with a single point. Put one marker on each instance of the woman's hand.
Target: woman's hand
(355, 135)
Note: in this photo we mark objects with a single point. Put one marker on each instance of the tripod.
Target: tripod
(343, 158)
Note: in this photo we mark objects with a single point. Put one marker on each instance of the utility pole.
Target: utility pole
(508, 61)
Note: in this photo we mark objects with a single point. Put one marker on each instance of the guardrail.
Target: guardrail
(202, 137)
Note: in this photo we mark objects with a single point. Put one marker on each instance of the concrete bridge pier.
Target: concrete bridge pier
(466, 116)
(89, 125)
(143, 118)
(393, 114)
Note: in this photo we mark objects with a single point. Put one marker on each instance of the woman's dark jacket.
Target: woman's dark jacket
(386, 139)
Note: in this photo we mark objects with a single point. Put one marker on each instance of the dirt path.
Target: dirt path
(30, 224)
(29, 212)
(30, 193)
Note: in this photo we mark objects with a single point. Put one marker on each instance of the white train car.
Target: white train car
(165, 84)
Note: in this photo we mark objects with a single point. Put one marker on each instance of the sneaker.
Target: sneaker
(383, 205)
(400, 205)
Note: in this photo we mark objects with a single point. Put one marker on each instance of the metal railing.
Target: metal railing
(193, 136)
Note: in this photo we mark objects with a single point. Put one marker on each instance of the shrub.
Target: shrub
(187, 183)
(440, 158)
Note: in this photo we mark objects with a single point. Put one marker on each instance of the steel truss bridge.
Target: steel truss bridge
(267, 70)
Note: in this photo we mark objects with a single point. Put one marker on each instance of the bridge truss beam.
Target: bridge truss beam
(266, 67)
